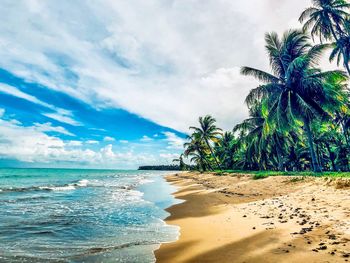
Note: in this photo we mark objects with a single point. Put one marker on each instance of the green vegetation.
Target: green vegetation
(276, 173)
(160, 168)
(265, 174)
(299, 115)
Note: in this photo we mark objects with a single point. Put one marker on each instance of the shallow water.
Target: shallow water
(62, 215)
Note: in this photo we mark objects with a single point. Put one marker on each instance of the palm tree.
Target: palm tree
(196, 147)
(261, 136)
(341, 48)
(200, 160)
(208, 132)
(327, 18)
(225, 149)
(296, 91)
(181, 162)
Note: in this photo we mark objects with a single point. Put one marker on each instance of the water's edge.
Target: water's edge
(175, 202)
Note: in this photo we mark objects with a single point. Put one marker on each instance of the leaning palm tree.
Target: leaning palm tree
(326, 18)
(208, 132)
(296, 91)
(196, 147)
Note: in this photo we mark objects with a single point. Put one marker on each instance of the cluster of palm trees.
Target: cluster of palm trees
(299, 117)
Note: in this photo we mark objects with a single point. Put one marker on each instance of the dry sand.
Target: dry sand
(278, 219)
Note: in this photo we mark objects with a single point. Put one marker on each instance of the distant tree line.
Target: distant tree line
(172, 167)
(160, 167)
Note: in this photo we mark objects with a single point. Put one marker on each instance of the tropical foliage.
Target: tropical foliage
(299, 117)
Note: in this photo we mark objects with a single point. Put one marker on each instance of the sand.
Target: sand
(277, 219)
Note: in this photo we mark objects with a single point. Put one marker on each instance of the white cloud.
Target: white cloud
(108, 139)
(145, 138)
(59, 114)
(47, 127)
(63, 118)
(91, 142)
(97, 129)
(169, 156)
(123, 141)
(32, 145)
(168, 61)
(19, 94)
(74, 143)
(2, 112)
(107, 152)
(174, 142)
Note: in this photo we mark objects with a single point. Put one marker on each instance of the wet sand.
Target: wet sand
(277, 219)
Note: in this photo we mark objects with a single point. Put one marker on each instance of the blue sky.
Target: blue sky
(33, 110)
(115, 84)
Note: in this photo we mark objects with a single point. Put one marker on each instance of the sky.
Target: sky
(116, 84)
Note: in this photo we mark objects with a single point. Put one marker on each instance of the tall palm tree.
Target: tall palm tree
(208, 132)
(296, 90)
(326, 19)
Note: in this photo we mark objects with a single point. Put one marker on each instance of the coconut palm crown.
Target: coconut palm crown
(208, 132)
(297, 91)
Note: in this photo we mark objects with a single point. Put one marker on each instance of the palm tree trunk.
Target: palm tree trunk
(207, 163)
(334, 34)
(331, 156)
(345, 134)
(279, 154)
(212, 153)
(346, 65)
(315, 164)
(319, 155)
(280, 159)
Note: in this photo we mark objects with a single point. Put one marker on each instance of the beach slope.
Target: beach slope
(277, 219)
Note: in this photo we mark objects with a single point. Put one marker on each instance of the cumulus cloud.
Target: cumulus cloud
(74, 143)
(167, 61)
(92, 142)
(108, 139)
(174, 142)
(145, 138)
(31, 144)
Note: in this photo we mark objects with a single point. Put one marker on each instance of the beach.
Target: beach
(278, 219)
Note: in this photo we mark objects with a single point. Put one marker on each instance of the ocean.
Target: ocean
(73, 215)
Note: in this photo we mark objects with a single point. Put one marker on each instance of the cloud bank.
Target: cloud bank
(32, 144)
(167, 61)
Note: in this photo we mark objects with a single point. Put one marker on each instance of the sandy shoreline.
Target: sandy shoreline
(278, 219)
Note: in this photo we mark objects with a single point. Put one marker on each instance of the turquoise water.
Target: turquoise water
(62, 215)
